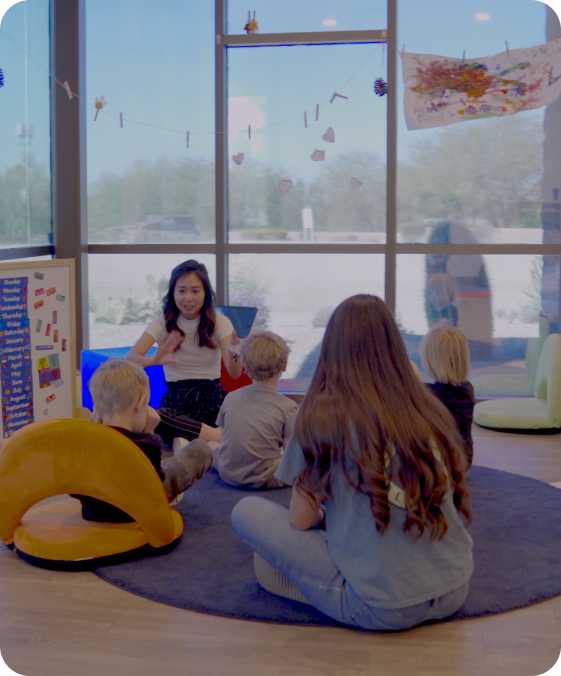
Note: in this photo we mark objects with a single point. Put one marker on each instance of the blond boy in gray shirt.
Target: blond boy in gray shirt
(257, 420)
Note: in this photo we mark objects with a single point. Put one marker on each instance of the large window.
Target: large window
(500, 302)
(269, 157)
(305, 166)
(300, 141)
(296, 293)
(25, 138)
(467, 191)
(485, 174)
(150, 146)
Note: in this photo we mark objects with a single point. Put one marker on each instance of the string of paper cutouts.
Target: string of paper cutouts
(310, 117)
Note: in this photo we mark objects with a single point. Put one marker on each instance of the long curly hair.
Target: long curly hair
(365, 403)
(207, 320)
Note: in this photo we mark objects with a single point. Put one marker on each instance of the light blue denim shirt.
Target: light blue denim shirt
(394, 569)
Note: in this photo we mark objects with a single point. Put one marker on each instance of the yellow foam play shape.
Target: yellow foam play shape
(58, 457)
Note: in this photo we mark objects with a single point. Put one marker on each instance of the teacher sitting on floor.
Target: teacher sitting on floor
(192, 338)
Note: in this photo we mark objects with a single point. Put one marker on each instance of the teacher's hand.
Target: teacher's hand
(166, 350)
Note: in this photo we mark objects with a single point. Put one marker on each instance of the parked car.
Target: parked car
(168, 229)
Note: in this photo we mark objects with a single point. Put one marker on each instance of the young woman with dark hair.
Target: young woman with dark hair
(192, 339)
(377, 457)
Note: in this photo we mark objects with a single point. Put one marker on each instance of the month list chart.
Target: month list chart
(36, 343)
(15, 355)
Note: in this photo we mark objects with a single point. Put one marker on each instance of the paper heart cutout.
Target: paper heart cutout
(329, 135)
(239, 158)
(318, 155)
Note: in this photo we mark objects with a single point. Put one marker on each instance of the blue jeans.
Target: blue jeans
(304, 558)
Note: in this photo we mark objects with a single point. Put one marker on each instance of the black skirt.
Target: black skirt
(186, 404)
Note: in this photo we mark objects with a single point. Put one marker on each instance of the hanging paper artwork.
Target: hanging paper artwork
(318, 155)
(252, 25)
(356, 183)
(1, 78)
(336, 95)
(380, 87)
(329, 135)
(440, 90)
(100, 103)
(238, 158)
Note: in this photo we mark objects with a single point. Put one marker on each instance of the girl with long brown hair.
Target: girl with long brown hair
(380, 460)
(192, 338)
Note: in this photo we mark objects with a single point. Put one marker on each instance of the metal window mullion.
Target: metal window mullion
(315, 248)
(220, 151)
(13, 253)
(68, 150)
(297, 248)
(479, 249)
(310, 38)
(179, 248)
(390, 269)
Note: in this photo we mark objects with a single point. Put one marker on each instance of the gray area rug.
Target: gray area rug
(516, 529)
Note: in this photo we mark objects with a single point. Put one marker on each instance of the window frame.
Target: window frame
(69, 164)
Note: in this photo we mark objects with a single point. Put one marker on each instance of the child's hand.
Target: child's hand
(152, 420)
(165, 353)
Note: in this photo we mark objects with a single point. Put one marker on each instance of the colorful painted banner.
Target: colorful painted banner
(440, 90)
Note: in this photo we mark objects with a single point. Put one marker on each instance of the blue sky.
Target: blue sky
(33, 16)
(153, 61)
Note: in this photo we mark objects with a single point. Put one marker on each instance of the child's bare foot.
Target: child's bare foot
(188, 464)
(196, 459)
(178, 443)
(209, 433)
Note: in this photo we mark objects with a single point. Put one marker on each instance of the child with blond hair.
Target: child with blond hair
(446, 356)
(120, 392)
(257, 420)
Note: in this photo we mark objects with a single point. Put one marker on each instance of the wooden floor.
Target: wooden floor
(58, 624)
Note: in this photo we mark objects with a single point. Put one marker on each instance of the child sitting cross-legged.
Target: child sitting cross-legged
(446, 356)
(375, 535)
(120, 393)
(257, 420)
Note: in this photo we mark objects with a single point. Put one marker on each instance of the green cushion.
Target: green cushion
(543, 411)
(524, 413)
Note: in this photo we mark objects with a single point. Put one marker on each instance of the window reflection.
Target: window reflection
(506, 306)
